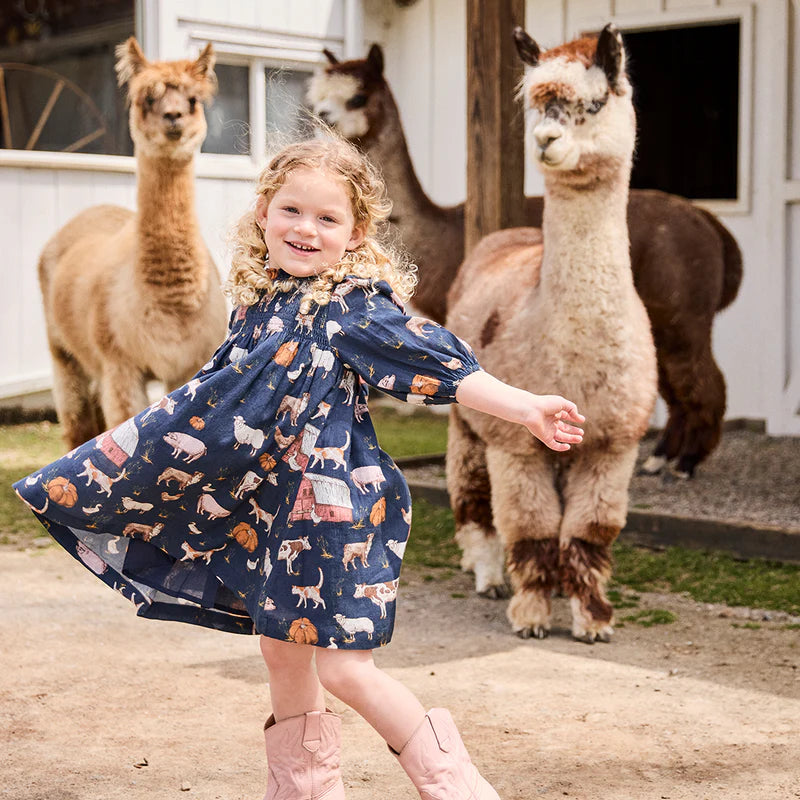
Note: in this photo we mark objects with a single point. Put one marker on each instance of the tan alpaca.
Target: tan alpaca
(562, 318)
(669, 239)
(135, 296)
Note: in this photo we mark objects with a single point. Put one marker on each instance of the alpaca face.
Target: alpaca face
(579, 106)
(348, 95)
(166, 116)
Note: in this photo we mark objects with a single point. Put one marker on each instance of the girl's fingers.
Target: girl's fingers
(570, 429)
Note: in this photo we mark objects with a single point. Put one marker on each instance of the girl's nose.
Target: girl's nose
(305, 227)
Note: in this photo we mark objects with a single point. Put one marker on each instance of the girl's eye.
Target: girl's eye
(290, 209)
(328, 219)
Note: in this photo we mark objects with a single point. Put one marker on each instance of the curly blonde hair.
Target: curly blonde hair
(250, 273)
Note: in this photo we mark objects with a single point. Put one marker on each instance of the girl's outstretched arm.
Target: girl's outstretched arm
(547, 417)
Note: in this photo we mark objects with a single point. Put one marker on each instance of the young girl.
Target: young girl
(255, 499)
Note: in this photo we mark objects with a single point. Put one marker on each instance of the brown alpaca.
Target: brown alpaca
(686, 264)
(130, 297)
(556, 311)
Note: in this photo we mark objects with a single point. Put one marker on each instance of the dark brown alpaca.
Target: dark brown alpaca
(686, 264)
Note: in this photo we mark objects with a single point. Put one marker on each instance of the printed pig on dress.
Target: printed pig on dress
(255, 498)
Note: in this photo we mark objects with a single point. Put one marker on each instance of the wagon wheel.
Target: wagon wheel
(61, 87)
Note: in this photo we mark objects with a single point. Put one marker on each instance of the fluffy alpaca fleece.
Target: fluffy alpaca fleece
(129, 296)
(555, 311)
(670, 238)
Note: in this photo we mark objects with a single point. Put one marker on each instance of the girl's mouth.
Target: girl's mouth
(302, 248)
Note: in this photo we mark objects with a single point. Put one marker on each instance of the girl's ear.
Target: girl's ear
(261, 211)
(357, 239)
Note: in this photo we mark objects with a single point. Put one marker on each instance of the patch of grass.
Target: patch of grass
(23, 449)
(750, 626)
(709, 577)
(620, 600)
(421, 433)
(431, 543)
(791, 626)
(651, 616)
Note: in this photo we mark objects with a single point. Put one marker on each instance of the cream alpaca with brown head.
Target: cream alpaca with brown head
(130, 297)
(560, 314)
(686, 264)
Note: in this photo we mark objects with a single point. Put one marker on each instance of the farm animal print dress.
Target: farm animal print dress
(255, 498)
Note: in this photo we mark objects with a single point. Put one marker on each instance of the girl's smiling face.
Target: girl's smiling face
(308, 224)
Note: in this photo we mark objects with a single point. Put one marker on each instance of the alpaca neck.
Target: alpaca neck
(389, 149)
(586, 250)
(433, 235)
(170, 250)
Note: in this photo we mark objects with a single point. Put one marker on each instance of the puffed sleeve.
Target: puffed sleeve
(410, 358)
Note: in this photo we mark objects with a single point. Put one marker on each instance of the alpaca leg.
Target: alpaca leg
(693, 387)
(527, 514)
(122, 392)
(704, 409)
(669, 442)
(470, 498)
(76, 408)
(595, 508)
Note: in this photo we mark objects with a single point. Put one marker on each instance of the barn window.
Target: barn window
(286, 103)
(687, 98)
(58, 89)
(227, 116)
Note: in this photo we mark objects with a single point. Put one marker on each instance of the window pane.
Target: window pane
(229, 115)
(58, 75)
(287, 112)
(686, 93)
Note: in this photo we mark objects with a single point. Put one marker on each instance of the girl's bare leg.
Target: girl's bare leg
(293, 684)
(391, 708)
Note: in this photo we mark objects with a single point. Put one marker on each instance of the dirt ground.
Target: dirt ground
(96, 703)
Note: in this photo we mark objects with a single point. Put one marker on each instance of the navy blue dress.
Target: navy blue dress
(255, 498)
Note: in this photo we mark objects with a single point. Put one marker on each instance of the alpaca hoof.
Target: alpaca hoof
(680, 474)
(604, 635)
(535, 632)
(653, 465)
(495, 592)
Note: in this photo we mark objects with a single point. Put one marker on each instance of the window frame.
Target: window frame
(683, 18)
(233, 46)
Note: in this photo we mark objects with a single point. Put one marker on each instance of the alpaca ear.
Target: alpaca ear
(375, 59)
(205, 61)
(330, 56)
(528, 49)
(610, 56)
(130, 60)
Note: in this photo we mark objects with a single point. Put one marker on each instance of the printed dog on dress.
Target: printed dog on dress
(165, 403)
(294, 406)
(146, 532)
(183, 479)
(193, 555)
(129, 504)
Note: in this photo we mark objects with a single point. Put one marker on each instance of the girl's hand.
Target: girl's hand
(549, 421)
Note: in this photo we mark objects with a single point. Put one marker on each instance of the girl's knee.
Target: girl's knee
(341, 671)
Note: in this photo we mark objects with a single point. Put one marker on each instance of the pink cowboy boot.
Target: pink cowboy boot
(303, 756)
(438, 763)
